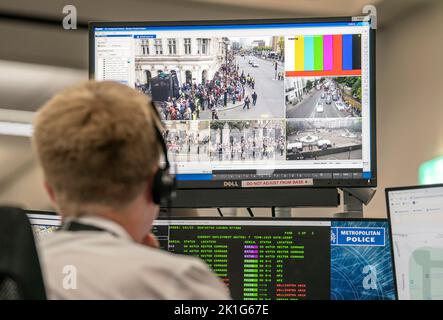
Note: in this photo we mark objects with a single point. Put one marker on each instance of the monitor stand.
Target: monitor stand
(279, 212)
(352, 207)
(353, 200)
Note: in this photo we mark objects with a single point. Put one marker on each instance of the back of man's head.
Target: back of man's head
(97, 145)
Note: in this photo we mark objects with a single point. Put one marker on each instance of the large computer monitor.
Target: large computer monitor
(417, 231)
(253, 104)
(261, 259)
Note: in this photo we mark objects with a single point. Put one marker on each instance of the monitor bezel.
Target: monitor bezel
(326, 183)
(403, 188)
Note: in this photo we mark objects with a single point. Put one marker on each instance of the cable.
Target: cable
(220, 212)
(251, 214)
(169, 212)
(273, 212)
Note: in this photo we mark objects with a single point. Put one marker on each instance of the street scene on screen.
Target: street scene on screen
(258, 140)
(187, 140)
(213, 78)
(327, 139)
(323, 97)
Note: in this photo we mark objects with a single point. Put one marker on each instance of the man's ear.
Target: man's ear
(50, 191)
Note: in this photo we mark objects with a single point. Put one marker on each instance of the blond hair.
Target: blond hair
(97, 144)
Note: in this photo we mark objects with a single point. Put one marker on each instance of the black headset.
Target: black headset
(164, 183)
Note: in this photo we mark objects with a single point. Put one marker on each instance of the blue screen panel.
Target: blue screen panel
(361, 261)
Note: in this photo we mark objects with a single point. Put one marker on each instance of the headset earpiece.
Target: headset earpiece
(164, 184)
(163, 187)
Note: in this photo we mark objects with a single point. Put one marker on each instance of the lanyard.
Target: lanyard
(77, 226)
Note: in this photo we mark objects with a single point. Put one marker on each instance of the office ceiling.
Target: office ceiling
(45, 57)
(31, 31)
(305, 7)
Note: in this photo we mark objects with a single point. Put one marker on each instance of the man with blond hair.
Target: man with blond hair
(99, 150)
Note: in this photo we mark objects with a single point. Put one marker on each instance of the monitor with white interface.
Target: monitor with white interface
(281, 259)
(416, 215)
(44, 222)
(253, 103)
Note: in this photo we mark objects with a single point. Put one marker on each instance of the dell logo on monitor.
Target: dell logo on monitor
(230, 184)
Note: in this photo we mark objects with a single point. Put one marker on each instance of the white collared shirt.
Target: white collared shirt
(110, 265)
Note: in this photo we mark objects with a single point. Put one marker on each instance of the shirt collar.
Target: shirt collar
(103, 223)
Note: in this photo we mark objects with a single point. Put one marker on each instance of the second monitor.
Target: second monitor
(278, 259)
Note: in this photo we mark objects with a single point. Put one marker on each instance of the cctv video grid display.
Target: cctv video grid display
(252, 104)
(417, 216)
(284, 259)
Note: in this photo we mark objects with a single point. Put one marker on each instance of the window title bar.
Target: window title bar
(235, 26)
